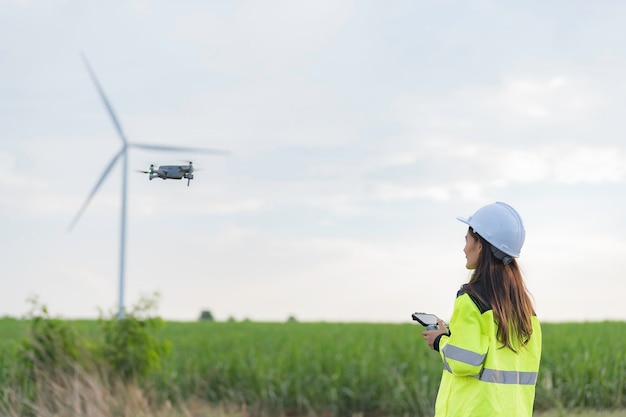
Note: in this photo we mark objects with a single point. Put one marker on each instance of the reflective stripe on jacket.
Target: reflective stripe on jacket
(480, 377)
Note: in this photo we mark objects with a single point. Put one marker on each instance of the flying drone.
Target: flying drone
(171, 172)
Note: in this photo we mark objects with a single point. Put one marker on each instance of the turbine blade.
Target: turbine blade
(95, 189)
(178, 149)
(108, 106)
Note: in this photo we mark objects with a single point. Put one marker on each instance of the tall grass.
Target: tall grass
(40, 379)
(583, 366)
(83, 393)
(330, 369)
(323, 368)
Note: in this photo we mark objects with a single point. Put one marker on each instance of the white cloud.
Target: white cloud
(550, 100)
(261, 37)
(518, 111)
(523, 166)
(527, 129)
(565, 271)
(252, 118)
(590, 165)
(393, 192)
(310, 277)
(563, 164)
(491, 167)
(243, 205)
(142, 7)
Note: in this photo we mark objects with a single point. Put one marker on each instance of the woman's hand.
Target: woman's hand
(431, 335)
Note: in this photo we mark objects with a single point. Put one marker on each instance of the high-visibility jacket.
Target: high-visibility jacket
(481, 378)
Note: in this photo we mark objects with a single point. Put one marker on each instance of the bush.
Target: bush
(206, 315)
(58, 372)
(130, 347)
(53, 344)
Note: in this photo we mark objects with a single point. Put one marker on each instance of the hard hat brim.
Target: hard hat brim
(465, 220)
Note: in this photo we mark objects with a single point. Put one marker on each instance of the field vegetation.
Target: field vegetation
(143, 366)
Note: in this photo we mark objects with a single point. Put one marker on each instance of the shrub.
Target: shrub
(131, 348)
(53, 344)
(206, 315)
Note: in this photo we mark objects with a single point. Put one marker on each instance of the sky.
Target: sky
(357, 132)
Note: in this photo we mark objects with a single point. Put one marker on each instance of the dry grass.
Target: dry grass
(80, 393)
(92, 394)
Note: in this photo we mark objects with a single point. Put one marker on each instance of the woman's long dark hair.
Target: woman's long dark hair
(502, 288)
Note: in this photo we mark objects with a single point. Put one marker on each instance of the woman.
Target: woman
(492, 350)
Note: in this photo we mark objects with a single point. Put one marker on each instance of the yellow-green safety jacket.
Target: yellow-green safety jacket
(480, 377)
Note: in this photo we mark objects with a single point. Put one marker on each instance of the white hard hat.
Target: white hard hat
(500, 225)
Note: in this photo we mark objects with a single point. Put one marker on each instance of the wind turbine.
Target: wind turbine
(123, 153)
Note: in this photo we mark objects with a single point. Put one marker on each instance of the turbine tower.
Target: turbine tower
(123, 155)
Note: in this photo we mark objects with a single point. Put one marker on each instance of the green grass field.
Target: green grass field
(350, 368)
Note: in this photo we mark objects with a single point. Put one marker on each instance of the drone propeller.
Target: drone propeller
(151, 171)
(189, 174)
(190, 164)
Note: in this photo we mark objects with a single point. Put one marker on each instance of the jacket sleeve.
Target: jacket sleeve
(464, 350)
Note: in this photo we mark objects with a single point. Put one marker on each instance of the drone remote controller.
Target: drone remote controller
(427, 320)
